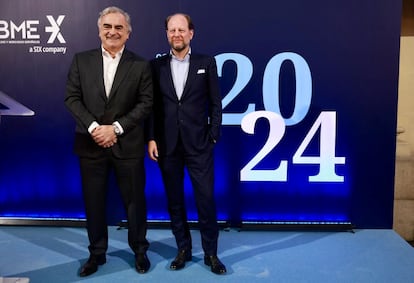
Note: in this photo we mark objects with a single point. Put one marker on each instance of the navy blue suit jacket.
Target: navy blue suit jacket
(196, 117)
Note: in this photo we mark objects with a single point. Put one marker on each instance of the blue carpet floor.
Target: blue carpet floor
(55, 254)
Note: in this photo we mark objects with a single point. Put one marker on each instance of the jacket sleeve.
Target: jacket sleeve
(215, 107)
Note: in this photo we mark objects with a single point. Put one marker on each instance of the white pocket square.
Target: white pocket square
(201, 71)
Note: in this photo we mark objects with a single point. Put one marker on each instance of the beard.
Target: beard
(178, 47)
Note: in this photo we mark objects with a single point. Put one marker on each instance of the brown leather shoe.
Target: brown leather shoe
(180, 259)
(216, 265)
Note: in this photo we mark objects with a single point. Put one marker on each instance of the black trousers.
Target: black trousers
(130, 176)
(201, 171)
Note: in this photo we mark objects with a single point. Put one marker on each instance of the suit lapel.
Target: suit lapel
(166, 75)
(192, 71)
(121, 72)
(97, 61)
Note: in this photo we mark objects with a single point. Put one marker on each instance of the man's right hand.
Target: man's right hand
(153, 150)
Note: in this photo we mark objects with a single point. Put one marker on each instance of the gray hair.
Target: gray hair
(113, 9)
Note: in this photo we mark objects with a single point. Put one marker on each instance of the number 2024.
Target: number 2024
(326, 121)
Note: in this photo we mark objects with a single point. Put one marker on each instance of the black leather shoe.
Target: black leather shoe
(91, 266)
(216, 265)
(180, 259)
(142, 263)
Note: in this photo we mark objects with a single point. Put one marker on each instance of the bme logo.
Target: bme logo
(28, 29)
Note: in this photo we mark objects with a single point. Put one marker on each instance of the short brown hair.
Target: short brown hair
(187, 17)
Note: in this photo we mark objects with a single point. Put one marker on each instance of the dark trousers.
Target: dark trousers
(130, 176)
(201, 171)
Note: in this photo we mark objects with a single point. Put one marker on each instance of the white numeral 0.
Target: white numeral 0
(271, 93)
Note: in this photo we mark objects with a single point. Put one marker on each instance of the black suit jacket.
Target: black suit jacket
(129, 102)
(196, 117)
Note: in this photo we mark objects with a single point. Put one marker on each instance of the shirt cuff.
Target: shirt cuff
(116, 124)
(92, 127)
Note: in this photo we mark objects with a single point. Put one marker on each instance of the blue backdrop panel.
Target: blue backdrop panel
(309, 106)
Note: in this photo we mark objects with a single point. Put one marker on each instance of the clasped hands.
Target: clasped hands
(104, 136)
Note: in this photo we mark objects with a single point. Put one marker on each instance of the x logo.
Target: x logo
(54, 29)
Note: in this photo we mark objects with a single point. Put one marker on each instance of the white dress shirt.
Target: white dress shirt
(110, 66)
(179, 72)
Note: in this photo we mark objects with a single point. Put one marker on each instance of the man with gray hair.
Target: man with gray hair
(109, 94)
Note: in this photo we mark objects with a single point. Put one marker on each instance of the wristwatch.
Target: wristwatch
(116, 130)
